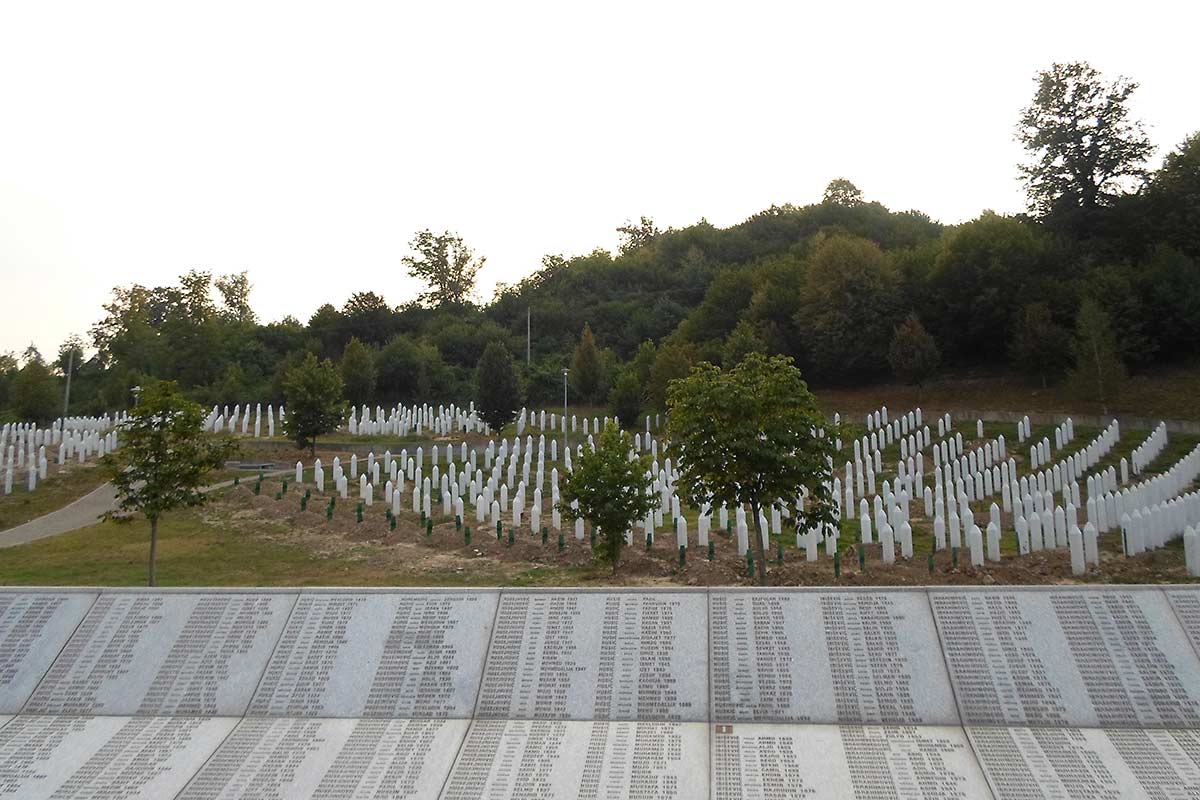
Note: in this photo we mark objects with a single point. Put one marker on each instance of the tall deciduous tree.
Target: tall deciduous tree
(445, 264)
(587, 368)
(913, 354)
(164, 458)
(497, 390)
(313, 393)
(1084, 148)
(841, 192)
(752, 435)
(358, 372)
(612, 489)
(1098, 372)
(33, 394)
(1039, 346)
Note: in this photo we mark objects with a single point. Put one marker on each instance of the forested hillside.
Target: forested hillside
(1109, 254)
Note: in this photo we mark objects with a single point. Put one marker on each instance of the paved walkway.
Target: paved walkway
(83, 512)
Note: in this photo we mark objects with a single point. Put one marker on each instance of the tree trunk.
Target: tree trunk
(153, 548)
(760, 552)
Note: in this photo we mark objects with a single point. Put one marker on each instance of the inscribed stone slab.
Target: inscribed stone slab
(1085, 658)
(33, 628)
(165, 654)
(1186, 603)
(1099, 764)
(550, 759)
(827, 657)
(755, 761)
(395, 654)
(330, 758)
(603, 655)
(69, 757)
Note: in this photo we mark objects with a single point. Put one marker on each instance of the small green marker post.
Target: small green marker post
(260, 477)
(682, 555)
(545, 535)
(279, 495)
(257, 487)
(954, 557)
(284, 490)
(333, 501)
(422, 519)
(931, 563)
(466, 534)
(303, 503)
(649, 539)
(779, 553)
(512, 536)
(729, 527)
(750, 563)
(593, 538)
(862, 559)
(307, 493)
(712, 550)
(329, 511)
(358, 513)
(457, 522)
(428, 528)
(837, 563)
(562, 542)
(237, 480)
(391, 523)
(499, 530)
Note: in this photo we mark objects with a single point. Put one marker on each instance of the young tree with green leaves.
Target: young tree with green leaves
(1098, 373)
(751, 436)
(313, 393)
(587, 368)
(358, 372)
(613, 490)
(164, 458)
(627, 397)
(497, 390)
(1039, 345)
(913, 354)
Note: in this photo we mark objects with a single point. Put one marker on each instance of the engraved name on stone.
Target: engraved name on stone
(1076, 658)
(597, 656)
(379, 655)
(164, 654)
(33, 628)
(852, 657)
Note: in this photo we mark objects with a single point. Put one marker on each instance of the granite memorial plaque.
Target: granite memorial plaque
(33, 628)
(330, 759)
(756, 761)
(1094, 763)
(1086, 658)
(603, 655)
(827, 657)
(165, 654)
(70, 757)
(394, 654)
(551, 759)
(1186, 603)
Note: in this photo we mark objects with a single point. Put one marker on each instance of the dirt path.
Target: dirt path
(83, 512)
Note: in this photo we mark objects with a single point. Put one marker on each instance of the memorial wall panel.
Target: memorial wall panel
(601, 655)
(165, 654)
(552, 759)
(33, 628)
(1097, 764)
(395, 654)
(1186, 603)
(1083, 658)
(827, 657)
(133, 758)
(330, 759)
(756, 761)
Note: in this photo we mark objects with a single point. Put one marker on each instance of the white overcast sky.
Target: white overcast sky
(306, 142)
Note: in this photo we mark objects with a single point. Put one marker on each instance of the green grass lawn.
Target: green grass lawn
(61, 487)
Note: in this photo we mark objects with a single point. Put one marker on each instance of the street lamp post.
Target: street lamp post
(564, 417)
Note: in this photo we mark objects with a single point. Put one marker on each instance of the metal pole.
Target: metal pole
(528, 338)
(67, 393)
(564, 417)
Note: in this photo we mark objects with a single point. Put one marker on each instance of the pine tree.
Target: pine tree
(497, 390)
(587, 370)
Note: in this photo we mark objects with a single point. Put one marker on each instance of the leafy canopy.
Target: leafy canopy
(613, 490)
(752, 435)
(498, 392)
(445, 264)
(313, 391)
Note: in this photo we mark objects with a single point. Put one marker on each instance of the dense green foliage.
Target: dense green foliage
(826, 284)
(497, 388)
(913, 354)
(611, 488)
(164, 457)
(752, 436)
(313, 392)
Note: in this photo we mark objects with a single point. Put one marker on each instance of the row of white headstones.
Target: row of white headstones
(1149, 514)
(23, 446)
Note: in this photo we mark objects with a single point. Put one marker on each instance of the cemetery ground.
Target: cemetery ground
(244, 537)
